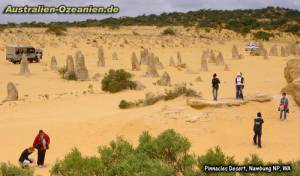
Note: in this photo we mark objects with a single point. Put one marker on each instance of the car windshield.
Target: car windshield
(25, 50)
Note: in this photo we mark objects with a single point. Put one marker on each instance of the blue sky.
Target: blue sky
(138, 7)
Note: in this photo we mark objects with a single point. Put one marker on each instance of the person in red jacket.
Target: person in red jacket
(41, 143)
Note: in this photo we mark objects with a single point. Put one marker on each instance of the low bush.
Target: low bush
(76, 165)
(114, 27)
(135, 33)
(293, 28)
(12, 170)
(2, 29)
(168, 31)
(117, 80)
(57, 30)
(150, 98)
(165, 155)
(71, 76)
(62, 70)
(261, 35)
(179, 91)
(126, 104)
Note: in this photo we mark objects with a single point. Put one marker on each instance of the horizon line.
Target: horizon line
(131, 16)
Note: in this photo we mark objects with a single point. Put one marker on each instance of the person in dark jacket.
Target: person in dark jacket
(215, 86)
(258, 121)
(24, 158)
(283, 106)
(41, 143)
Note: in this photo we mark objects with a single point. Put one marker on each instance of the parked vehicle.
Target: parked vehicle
(251, 47)
(14, 53)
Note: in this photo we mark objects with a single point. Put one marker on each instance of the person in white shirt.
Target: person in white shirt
(239, 84)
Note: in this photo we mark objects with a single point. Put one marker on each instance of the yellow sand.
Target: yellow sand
(74, 119)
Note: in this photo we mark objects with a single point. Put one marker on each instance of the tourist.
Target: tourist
(239, 84)
(283, 106)
(41, 143)
(215, 85)
(24, 158)
(258, 121)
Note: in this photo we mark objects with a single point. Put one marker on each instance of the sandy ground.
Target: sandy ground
(75, 119)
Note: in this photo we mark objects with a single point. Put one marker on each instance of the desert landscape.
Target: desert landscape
(80, 114)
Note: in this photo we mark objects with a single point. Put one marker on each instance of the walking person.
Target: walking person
(239, 84)
(258, 121)
(215, 86)
(283, 106)
(24, 159)
(41, 143)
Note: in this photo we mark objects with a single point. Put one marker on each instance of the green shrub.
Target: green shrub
(57, 30)
(74, 164)
(165, 155)
(207, 30)
(125, 104)
(151, 98)
(215, 157)
(2, 28)
(62, 70)
(179, 91)
(12, 170)
(135, 33)
(261, 35)
(117, 80)
(114, 27)
(168, 147)
(71, 76)
(296, 167)
(168, 31)
(295, 28)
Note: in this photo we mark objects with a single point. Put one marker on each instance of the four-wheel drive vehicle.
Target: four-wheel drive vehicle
(14, 53)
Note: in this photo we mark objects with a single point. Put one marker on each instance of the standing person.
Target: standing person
(24, 158)
(258, 121)
(283, 106)
(215, 86)
(239, 84)
(38, 56)
(41, 143)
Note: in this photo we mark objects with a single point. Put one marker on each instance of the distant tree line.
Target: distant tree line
(240, 21)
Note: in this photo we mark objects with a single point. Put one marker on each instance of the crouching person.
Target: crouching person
(24, 158)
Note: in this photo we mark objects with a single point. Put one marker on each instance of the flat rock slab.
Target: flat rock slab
(199, 103)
